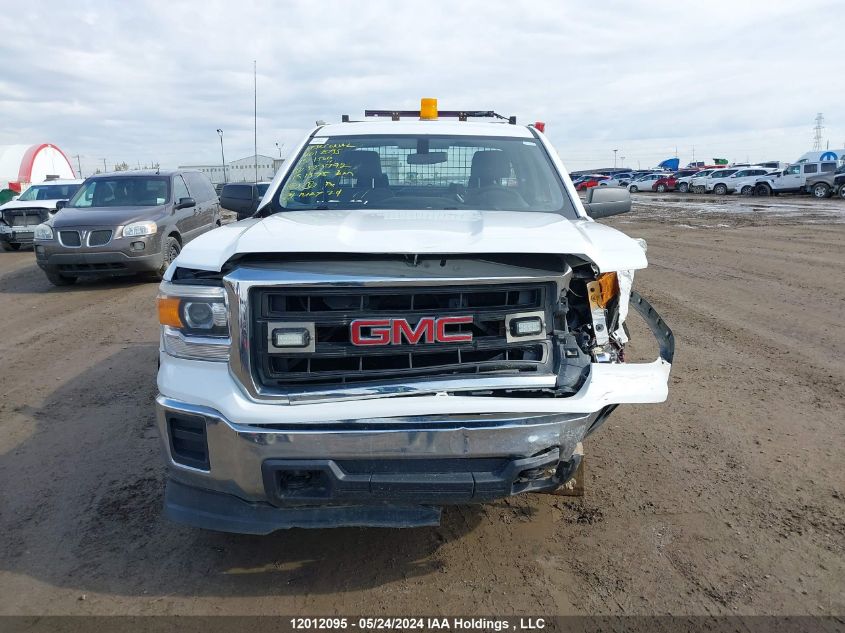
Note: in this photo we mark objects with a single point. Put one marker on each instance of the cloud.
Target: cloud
(153, 81)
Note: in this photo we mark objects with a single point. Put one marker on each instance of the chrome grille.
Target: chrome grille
(336, 361)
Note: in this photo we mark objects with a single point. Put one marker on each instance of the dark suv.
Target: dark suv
(126, 223)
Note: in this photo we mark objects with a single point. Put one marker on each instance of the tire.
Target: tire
(170, 249)
(633, 189)
(762, 190)
(661, 188)
(747, 190)
(820, 190)
(59, 280)
(842, 191)
(720, 189)
(6, 246)
(683, 187)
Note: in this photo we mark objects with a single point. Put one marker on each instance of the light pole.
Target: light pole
(279, 147)
(614, 158)
(222, 155)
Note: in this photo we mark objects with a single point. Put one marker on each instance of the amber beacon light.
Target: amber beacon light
(428, 109)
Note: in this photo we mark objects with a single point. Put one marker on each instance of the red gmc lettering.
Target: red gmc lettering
(442, 337)
(397, 331)
(379, 332)
(425, 327)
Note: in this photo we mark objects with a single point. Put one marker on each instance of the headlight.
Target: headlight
(195, 321)
(137, 229)
(43, 232)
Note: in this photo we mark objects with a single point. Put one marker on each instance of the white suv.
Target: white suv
(421, 312)
(19, 217)
(742, 181)
(699, 184)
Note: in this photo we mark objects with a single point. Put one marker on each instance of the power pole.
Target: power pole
(78, 166)
(817, 132)
(105, 169)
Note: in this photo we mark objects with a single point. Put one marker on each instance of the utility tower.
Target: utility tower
(817, 132)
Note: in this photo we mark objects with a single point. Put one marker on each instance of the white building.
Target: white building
(21, 165)
(832, 155)
(240, 170)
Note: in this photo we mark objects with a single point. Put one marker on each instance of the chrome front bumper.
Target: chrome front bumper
(380, 472)
(236, 453)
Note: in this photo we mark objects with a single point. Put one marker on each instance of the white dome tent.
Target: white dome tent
(21, 165)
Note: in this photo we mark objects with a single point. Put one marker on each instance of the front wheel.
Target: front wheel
(10, 247)
(170, 250)
(683, 187)
(59, 280)
(633, 189)
(762, 190)
(842, 191)
(661, 188)
(821, 190)
(747, 190)
(720, 189)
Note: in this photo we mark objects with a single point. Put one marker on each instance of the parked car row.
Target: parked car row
(820, 179)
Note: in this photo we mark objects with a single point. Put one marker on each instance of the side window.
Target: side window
(179, 189)
(795, 169)
(198, 185)
(828, 168)
(811, 168)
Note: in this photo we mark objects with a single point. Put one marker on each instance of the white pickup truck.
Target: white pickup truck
(421, 312)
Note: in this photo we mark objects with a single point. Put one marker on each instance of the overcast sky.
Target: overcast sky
(142, 82)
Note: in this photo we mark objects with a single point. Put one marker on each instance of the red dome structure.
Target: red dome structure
(21, 165)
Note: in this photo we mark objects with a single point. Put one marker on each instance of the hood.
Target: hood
(30, 204)
(105, 216)
(415, 232)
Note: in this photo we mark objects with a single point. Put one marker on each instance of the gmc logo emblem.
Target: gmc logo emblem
(393, 331)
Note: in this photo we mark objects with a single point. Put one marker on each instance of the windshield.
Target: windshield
(424, 172)
(49, 192)
(123, 191)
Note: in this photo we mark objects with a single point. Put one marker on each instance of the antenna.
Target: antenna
(817, 132)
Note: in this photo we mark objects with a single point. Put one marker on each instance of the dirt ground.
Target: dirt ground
(727, 499)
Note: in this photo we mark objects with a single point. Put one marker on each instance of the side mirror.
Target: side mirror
(185, 203)
(61, 204)
(602, 203)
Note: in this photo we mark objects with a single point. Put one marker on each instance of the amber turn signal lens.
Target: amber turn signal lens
(168, 311)
(608, 288)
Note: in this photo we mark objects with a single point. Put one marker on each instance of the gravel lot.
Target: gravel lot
(728, 499)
